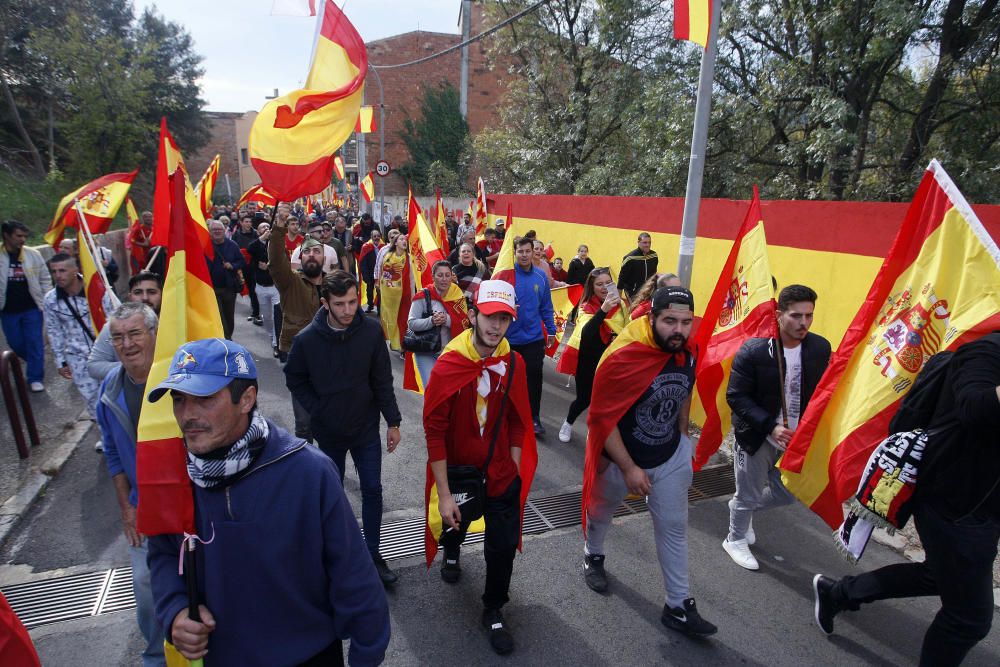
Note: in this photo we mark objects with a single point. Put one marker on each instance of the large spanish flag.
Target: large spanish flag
(258, 194)
(692, 19)
(458, 366)
(424, 248)
(939, 287)
(206, 186)
(338, 167)
(100, 200)
(366, 123)
(626, 369)
(742, 307)
(294, 138)
(368, 187)
(93, 284)
(188, 312)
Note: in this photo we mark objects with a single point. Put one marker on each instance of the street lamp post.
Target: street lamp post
(381, 146)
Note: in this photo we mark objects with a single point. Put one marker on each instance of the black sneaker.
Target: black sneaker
(258, 321)
(387, 576)
(539, 429)
(274, 351)
(826, 607)
(451, 571)
(593, 573)
(249, 318)
(686, 619)
(500, 638)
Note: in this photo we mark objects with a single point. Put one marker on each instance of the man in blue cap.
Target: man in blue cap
(283, 574)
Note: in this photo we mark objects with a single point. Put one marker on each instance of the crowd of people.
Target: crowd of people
(267, 498)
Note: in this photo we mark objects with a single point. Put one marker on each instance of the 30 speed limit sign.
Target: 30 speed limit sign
(382, 168)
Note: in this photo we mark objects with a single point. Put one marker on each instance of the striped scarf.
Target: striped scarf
(224, 466)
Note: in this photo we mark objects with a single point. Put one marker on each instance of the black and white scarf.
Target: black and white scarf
(223, 465)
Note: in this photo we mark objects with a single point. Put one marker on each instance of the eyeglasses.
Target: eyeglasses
(133, 336)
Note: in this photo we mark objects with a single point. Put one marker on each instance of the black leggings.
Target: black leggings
(584, 392)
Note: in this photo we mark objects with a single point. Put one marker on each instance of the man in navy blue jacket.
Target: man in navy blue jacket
(224, 267)
(526, 334)
(283, 575)
(338, 369)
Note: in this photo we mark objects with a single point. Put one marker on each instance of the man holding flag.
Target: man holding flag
(638, 443)
(768, 393)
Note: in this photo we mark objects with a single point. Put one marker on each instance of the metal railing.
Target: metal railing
(10, 366)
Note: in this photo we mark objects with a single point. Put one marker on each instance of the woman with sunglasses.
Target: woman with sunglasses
(601, 318)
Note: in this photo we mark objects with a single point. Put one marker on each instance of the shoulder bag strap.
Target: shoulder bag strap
(76, 316)
(428, 309)
(503, 404)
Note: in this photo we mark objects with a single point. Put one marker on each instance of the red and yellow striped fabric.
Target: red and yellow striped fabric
(206, 186)
(368, 187)
(188, 312)
(918, 304)
(742, 307)
(294, 138)
(481, 213)
(258, 194)
(338, 167)
(440, 226)
(100, 200)
(93, 285)
(692, 19)
(424, 247)
(366, 121)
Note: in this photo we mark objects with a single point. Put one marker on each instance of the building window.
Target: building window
(243, 156)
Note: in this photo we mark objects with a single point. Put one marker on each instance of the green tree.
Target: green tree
(436, 136)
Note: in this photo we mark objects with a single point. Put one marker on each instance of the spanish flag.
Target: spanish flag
(564, 300)
(366, 121)
(368, 187)
(294, 138)
(93, 284)
(627, 368)
(338, 167)
(692, 19)
(742, 307)
(938, 288)
(481, 214)
(100, 200)
(458, 367)
(440, 226)
(206, 186)
(258, 194)
(188, 312)
(424, 248)
(504, 268)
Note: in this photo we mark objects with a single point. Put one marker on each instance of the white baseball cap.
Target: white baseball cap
(496, 296)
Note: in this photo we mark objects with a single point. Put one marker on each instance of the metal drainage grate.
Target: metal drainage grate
(83, 595)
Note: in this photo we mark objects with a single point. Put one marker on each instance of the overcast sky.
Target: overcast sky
(248, 53)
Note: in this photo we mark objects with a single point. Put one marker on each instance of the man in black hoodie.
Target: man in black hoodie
(338, 369)
(956, 513)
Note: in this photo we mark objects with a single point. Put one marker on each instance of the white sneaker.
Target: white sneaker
(565, 432)
(99, 447)
(739, 551)
(36, 387)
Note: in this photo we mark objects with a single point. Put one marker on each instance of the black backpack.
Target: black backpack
(917, 407)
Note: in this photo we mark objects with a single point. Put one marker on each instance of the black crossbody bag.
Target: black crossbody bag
(467, 483)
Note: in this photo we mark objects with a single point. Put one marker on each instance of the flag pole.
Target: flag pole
(699, 141)
(191, 579)
(92, 249)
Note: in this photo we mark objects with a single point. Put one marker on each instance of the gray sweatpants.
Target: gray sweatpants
(758, 487)
(668, 505)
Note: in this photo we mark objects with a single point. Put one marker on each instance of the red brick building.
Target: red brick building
(222, 141)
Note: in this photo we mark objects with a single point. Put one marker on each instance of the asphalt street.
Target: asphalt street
(765, 618)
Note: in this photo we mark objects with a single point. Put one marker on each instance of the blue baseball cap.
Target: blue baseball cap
(203, 367)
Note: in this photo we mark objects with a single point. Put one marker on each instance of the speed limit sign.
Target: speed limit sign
(382, 168)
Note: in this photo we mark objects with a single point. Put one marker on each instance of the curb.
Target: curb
(39, 477)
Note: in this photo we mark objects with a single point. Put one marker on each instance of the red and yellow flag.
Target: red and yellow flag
(564, 300)
(458, 365)
(692, 20)
(366, 121)
(424, 248)
(206, 186)
(338, 167)
(742, 307)
(188, 312)
(100, 200)
(440, 226)
(931, 294)
(368, 187)
(504, 268)
(294, 138)
(481, 215)
(258, 194)
(93, 284)
(614, 322)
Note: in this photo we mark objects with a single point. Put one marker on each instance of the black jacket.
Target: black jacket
(960, 472)
(343, 379)
(636, 269)
(578, 271)
(755, 389)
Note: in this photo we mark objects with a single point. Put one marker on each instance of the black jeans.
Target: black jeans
(251, 282)
(226, 298)
(959, 569)
(534, 357)
(584, 392)
(503, 533)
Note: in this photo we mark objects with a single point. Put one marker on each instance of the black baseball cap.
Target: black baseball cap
(679, 298)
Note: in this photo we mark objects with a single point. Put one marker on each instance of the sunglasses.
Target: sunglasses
(600, 271)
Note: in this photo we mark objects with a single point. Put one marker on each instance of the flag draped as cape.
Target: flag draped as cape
(458, 310)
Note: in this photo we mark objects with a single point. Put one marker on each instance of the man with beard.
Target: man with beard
(768, 394)
(298, 292)
(638, 443)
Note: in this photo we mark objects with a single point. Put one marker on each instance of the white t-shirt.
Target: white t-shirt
(330, 261)
(793, 390)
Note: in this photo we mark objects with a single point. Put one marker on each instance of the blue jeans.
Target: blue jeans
(367, 459)
(24, 334)
(151, 630)
(425, 364)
